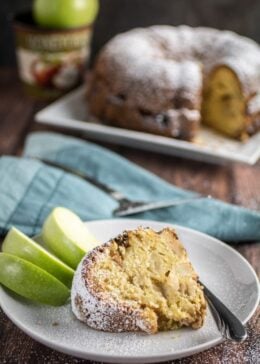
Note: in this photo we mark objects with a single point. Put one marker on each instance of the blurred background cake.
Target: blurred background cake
(167, 80)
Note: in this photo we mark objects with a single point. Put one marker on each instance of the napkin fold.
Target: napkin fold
(29, 190)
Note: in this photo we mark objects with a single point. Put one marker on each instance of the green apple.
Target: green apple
(31, 282)
(60, 14)
(67, 236)
(18, 244)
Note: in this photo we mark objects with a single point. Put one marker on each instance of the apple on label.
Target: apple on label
(18, 244)
(62, 14)
(30, 281)
(67, 236)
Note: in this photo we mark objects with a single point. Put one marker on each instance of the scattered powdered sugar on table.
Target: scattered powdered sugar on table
(229, 352)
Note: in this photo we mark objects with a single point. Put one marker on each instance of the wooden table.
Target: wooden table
(233, 183)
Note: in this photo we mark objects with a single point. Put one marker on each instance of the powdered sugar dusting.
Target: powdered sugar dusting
(254, 104)
(98, 309)
(163, 57)
(139, 64)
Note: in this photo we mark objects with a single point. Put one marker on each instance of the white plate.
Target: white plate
(71, 112)
(225, 271)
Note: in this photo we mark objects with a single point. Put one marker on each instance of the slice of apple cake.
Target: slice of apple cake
(141, 280)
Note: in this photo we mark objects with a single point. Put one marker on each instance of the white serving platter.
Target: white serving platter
(71, 112)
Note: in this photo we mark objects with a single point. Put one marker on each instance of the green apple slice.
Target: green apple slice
(31, 282)
(67, 236)
(16, 243)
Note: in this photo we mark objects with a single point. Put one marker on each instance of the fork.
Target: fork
(228, 324)
(126, 206)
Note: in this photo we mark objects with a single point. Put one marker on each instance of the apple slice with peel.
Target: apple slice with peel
(31, 282)
(67, 236)
(18, 244)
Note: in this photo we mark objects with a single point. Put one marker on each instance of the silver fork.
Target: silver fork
(228, 324)
(126, 206)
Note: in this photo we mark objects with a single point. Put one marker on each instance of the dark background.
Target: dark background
(242, 16)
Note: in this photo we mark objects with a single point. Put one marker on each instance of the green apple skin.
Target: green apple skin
(32, 282)
(67, 236)
(62, 14)
(18, 244)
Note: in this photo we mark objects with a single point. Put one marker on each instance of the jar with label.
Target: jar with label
(51, 62)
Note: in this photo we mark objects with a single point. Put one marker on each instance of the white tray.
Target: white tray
(71, 112)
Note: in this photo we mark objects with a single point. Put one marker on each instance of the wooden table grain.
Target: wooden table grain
(233, 183)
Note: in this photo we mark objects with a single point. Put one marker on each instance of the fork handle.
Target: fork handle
(228, 324)
(116, 195)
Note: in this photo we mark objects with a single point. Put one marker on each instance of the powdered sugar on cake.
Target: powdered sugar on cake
(97, 309)
(140, 77)
(167, 47)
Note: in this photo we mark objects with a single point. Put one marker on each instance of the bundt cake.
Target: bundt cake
(166, 80)
(141, 280)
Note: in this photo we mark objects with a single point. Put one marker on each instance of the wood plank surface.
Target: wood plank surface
(232, 183)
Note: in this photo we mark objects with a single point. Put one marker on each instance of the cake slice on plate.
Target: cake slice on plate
(141, 280)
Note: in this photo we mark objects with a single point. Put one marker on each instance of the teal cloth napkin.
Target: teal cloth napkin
(29, 190)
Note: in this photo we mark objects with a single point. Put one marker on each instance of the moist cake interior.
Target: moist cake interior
(152, 269)
(223, 103)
